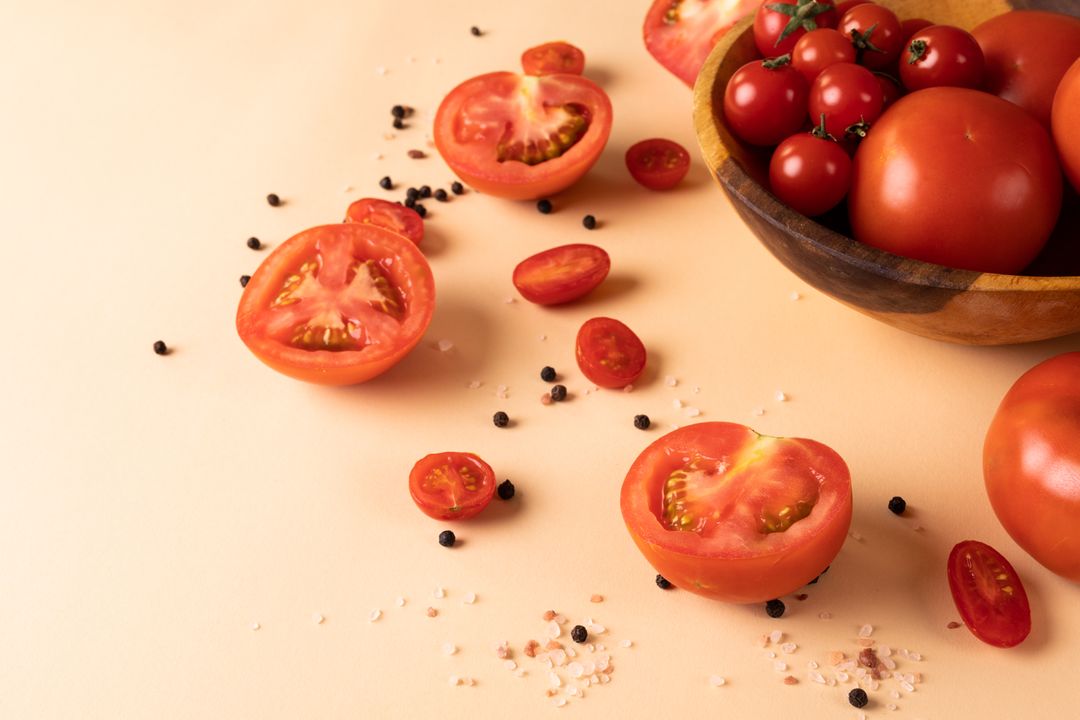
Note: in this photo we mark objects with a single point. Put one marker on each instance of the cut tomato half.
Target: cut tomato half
(988, 594)
(451, 485)
(553, 58)
(609, 353)
(561, 274)
(680, 34)
(658, 164)
(385, 214)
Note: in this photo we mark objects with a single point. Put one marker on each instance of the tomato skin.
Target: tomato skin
(455, 502)
(739, 563)
(1031, 463)
(392, 216)
(680, 34)
(812, 175)
(891, 92)
(762, 106)
(845, 94)
(472, 119)
(1065, 119)
(561, 274)
(942, 56)
(845, 5)
(988, 594)
(904, 196)
(553, 58)
(911, 26)
(818, 49)
(609, 353)
(770, 24)
(658, 164)
(885, 34)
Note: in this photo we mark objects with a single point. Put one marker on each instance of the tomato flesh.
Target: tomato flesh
(553, 58)
(561, 274)
(451, 485)
(658, 164)
(680, 34)
(609, 353)
(392, 216)
(988, 594)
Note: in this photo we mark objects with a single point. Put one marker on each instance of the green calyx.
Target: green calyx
(862, 42)
(776, 62)
(820, 132)
(918, 51)
(803, 15)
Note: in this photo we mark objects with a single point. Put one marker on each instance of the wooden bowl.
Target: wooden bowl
(959, 306)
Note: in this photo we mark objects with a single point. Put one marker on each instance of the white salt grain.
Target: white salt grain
(604, 679)
(789, 648)
(676, 403)
(842, 676)
(469, 681)
(509, 664)
(917, 657)
(554, 679)
(825, 615)
(856, 536)
(558, 657)
(628, 388)
(626, 643)
(670, 381)
(597, 629)
(891, 706)
(780, 666)
(469, 598)
(374, 615)
(575, 691)
(560, 702)
(794, 296)
(553, 629)
(255, 626)
(759, 411)
(817, 677)
(907, 686)
(813, 665)
(445, 345)
(889, 663)
(716, 680)
(401, 602)
(439, 593)
(575, 669)
(693, 412)
(895, 694)
(697, 389)
(317, 618)
(449, 649)
(781, 396)
(866, 631)
(474, 384)
(771, 655)
(776, 636)
(509, 300)
(571, 652)
(520, 672)
(454, 681)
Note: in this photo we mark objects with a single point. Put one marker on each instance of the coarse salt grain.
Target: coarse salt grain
(884, 651)
(509, 664)
(776, 636)
(255, 626)
(781, 396)
(856, 536)
(697, 389)
(907, 686)
(520, 673)
(449, 649)
(889, 663)
(374, 615)
(469, 599)
(780, 666)
(866, 631)
(842, 676)
(716, 680)
(400, 602)
(600, 647)
(676, 403)
(771, 655)
(561, 619)
(895, 694)
(432, 612)
(317, 618)
(501, 392)
(789, 647)
(917, 657)
(553, 629)
(474, 384)
(605, 679)
(575, 669)
(439, 593)
(558, 657)
(817, 677)
(445, 345)
(560, 702)
(454, 681)
(825, 615)
(789, 680)
(554, 679)
(596, 628)
(575, 691)
(794, 296)
(502, 650)
(626, 643)
(628, 388)
(835, 657)
(671, 381)
(759, 411)
(553, 645)
(813, 665)
(509, 300)
(693, 412)
(891, 706)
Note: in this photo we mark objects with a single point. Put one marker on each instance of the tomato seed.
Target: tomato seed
(244, 280)
(579, 634)
(505, 490)
(420, 210)
(858, 698)
(447, 538)
(544, 206)
(386, 183)
(775, 608)
(441, 195)
(898, 505)
(457, 188)
(663, 583)
(500, 419)
(253, 243)
(547, 374)
(642, 422)
(558, 393)
(160, 347)
(273, 199)
(589, 222)
(475, 31)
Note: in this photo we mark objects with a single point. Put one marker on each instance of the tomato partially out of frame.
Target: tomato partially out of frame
(680, 34)
(385, 214)
(988, 594)
(609, 353)
(451, 485)
(561, 274)
(1064, 119)
(523, 137)
(733, 515)
(337, 304)
(657, 163)
(553, 58)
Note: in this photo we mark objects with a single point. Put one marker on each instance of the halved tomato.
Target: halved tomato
(553, 58)
(337, 304)
(609, 353)
(988, 594)
(561, 274)
(523, 137)
(657, 163)
(385, 214)
(451, 485)
(733, 515)
(680, 34)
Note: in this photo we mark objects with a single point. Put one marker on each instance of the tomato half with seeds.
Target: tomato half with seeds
(523, 137)
(561, 274)
(680, 34)
(385, 214)
(658, 164)
(337, 304)
(609, 353)
(553, 58)
(728, 513)
(451, 485)
(988, 594)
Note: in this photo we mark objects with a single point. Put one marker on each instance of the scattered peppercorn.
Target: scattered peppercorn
(775, 608)
(457, 188)
(398, 111)
(547, 374)
(505, 490)
(544, 206)
(589, 222)
(663, 583)
(858, 698)
(420, 210)
(412, 193)
(642, 422)
(475, 31)
(273, 199)
(253, 243)
(441, 195)
(160, 347)
(500, 419)
(579, 634)
(801, 596)
(410, 202)
(399, 124)
(558, 393)
(425, 191)
(386, 183)
(416, 154)
(898, 505)
(447, 538)
(244, 280)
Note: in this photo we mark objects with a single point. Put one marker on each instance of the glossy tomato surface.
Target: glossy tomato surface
(1031, 463)
(911, 26)
(779, 25)
(959, 178)
(561, 274)
(1065, 119)
(680, 34)
(521, 136)
(553, 58)
(876, 32)
(941, 56)
(337, 304)
(818, 49)
(988, 594)
(765, 101)
(810, 174)
(451, 485)
(845, 94)
(385, 214)
(658, 164)
(609, 353)
(724, 512)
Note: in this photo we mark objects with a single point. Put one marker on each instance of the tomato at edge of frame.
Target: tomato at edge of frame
(561, 274)
(988, 594)
(451, 485)
(1064, 120)
(390, 215)
(658, 163)
(680, 34)
(784, 509)
(770, 25)
(608, 353)
(337, 304)
(553, 58)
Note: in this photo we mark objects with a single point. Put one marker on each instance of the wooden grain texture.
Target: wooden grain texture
(929, 300)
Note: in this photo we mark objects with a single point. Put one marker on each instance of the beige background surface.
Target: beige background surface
(153, 508)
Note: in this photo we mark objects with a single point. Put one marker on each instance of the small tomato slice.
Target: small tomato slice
(523, 137)
(724, 512)
(609, 353)
(658, 164)
(988, 594)
(451, 485)
(553, 58)
(680, 34)
(561, 274)
(337, 304)
(385, 214)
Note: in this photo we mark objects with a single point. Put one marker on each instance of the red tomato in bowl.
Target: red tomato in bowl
(1064, 121)
(724, 512)
(451, 485)
(680, 34)
(523, 137)
(609, 353)
(385, 214)
(658, 164)
(845, 94)
(553, 58)
(1031, 463)
(988, 594)
(876, 32)
(779, 25)
(818, 49)
(911, 26)
(942, 56)
(959, 178)
(337, 304)
(811, 173)
(561, 274)
(765, 101)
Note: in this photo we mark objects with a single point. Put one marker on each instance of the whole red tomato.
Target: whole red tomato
(1065, 119)
(810, 172)
(956, 177)
(876, 32)
(1031, 463)
(941, 56)
(818, 49)
(779, 25)
(765, 101)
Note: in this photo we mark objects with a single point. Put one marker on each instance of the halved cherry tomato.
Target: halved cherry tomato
(846, 94)
(810, 172)
(658, 164)
(553, 58)
(733, 515)
(765, 101)
(337, 304)
(521, 136)
(398, 218)
(818, 49)
(988, 594)
(875, 30)
(561, 274)
(779, 25)
(1065, 118)
(609, 353)
(941, 56)
(680, 34)
(451, 485)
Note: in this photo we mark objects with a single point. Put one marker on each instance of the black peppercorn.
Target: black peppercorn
(412, 194)
(441, 195)
(244, 280)
(579, 634)
(775, 608)
(589, 222)
(386, 183)
(399, 124)
(547, 374)
(253, 243)
(273, 199)
(160, 347)
(663, 583)
(420, 210)
(500, 419)
(858, 698)
(898, 505)
(642, 422)
(475, 31)
(447, 538)
(505, 490)
(558, 393)
(544, 206)
(425, 191)
(398, 111)
(457, 188)
(410, 202)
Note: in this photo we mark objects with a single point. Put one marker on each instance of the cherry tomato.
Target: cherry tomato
(451, 485)
(810, 172)
(522, 137)
(911, 26)
(680, 34)
(779, 25)
(890, 91)
(1065, 118)
(609, 353)
(1027, 53)
(941, 56)
(553, 58)
(724, 512)
(988, 594)
(398, 218)
(818, 49)
(845, 5)
(1031, 463)
(658, 164)
(846, 94)
(928, 182)
(561, 274)
(875, 30)
(765, 101)
(337, 304)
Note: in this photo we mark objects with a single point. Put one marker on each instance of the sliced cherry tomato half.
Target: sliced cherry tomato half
(561, 274)
(988, 594)
(680, 34)
(553, 58)
(337, 304)
(385, 214)
(609, 353)
(658, 164)
(451, 485)
(523, 137)
(733, 515)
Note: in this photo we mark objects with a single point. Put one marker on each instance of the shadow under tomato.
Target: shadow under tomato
(499, 510)
(435, 243)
